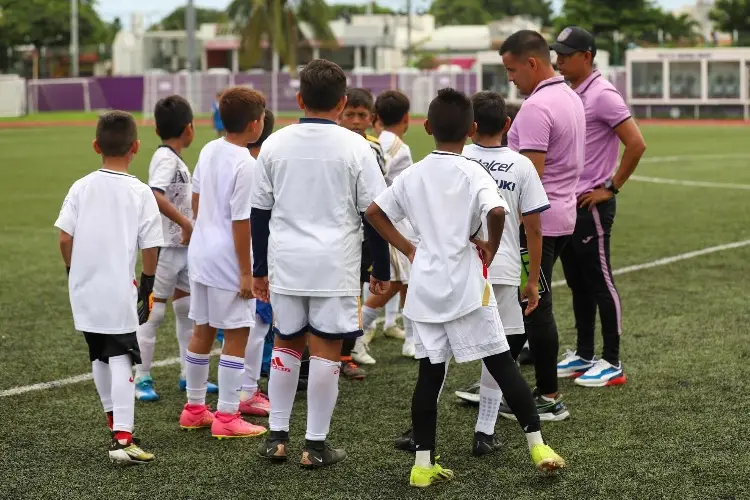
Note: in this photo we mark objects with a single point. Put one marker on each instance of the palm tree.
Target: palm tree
(278, 22)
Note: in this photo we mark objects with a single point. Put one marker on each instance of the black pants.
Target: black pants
(589, 275)
(540, 325)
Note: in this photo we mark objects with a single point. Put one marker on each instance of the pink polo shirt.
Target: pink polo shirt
(552, 121)
(605, 110)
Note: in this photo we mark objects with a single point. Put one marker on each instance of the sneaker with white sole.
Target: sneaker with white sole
(573, 366)
(394, 332)
(408, 350)
(549, 410)
(360, 353)
(470, 394)
(602, 374)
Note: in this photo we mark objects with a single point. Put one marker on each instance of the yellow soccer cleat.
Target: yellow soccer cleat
(545, 458)
(422, 477)
(130, 453)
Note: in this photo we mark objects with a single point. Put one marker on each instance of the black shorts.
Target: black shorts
(366, 265)
(103, 346)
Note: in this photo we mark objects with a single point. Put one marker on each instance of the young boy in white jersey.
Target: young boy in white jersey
(169, 179)
(450, 301)
(219, 261)
(392, 108)
(105, 218)
(252, 400)
(314, 180)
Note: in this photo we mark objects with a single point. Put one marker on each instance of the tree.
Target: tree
(540, 9)
(278, 22)
(731, 15)
(341, 10)
(46, 23)
(449, 12)
(176, 19)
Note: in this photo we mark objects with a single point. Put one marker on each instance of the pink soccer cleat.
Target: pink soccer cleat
(231, 425)
(258, 405)
(196, 417)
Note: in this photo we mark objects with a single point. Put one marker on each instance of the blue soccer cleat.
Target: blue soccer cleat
(144, 389)
(210, 388)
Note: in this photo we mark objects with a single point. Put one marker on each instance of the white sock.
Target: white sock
(423, 459)
(123, 393)
(196, 377)
(146, 335)
(408, 329)
(230, 383)
(282, 387)
(391, 311)
(322, 392)
(490, 397)
(103, 383)
(369, 315)
(183, 327)
(254, 358)
(534, 438)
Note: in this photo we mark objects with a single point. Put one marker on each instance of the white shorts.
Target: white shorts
(171, 272)
(400, 266)
(326, 317)
(509, 309)
(475, 336)
(220, 308)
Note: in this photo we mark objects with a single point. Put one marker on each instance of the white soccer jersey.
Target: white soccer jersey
(223, 179)
(110, 215)
(169, 174)
(523, 191)
(444, 197)
(316, 178)
(397, 160)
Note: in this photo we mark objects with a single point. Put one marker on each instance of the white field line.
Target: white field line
(14, 391)
(682, 158)
(680, 182)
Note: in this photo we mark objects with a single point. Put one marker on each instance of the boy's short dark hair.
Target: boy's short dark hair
(268, 122)
(489, 112)
(527, 42)
(116, 132)
(322, 84)
(239, 106)
(512, 110)
(172, 115)
(359, 98)
(391, 106)
(450, 116)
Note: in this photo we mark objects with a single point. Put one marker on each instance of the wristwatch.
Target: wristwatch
(611, 186)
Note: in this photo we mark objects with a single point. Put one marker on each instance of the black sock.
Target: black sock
(347, 346)
(515, 390)
(424, 404)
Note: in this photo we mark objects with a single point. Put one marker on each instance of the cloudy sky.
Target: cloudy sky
(153, 10)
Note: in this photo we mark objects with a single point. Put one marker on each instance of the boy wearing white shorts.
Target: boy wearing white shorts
(219, 260)
(450, 301)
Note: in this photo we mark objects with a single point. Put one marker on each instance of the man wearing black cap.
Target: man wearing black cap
(585, 259)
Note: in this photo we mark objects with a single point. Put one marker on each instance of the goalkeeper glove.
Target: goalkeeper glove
(145, 298)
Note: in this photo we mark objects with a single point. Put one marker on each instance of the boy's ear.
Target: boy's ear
(157, 132)
(96, 147)
(341, 105)
(135, 147)
(405, 119)
(427, 127)
(472, 129)
(507, 125)
(300, 102)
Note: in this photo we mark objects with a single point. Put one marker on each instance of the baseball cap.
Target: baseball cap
(574, 39)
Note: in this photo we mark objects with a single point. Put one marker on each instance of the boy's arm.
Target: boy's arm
(532, 224)
(196, 190)
(66, 249)
(239, 205)
(487, 200)
(195, 202)
(262, 201)
(377, 220)
(495, 226)
(172, 213)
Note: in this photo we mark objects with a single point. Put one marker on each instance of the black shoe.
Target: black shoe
(525, 357)
(405, 442)
(274, 447)
(549, 410)
(318, 454)
(484, 444)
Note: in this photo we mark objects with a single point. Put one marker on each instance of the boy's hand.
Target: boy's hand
(187, 233)
(530, 293)
(488, 254)
(260, 289)
(246, 286)
(378, 287)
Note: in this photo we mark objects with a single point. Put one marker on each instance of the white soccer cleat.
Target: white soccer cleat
(408, 350)
(360, 354)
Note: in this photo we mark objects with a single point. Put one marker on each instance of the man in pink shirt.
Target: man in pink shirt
(586, 258)
(550, 130)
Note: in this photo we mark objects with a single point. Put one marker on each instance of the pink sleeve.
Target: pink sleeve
(611, 108)
(533, 125)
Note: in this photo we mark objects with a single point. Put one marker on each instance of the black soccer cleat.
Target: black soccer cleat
(405, 442)
(274, 447)
(319, 454)
(484, 444)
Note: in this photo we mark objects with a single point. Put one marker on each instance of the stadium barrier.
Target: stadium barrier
(12, 96)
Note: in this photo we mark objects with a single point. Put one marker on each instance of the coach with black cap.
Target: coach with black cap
(585, 259)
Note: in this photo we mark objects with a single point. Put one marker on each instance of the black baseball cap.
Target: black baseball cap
(574, 39)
